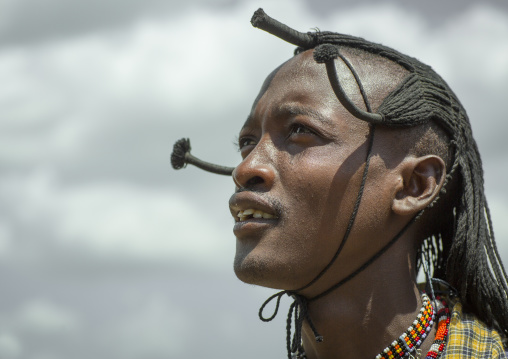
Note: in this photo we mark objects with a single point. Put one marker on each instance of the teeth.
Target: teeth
(255, 213)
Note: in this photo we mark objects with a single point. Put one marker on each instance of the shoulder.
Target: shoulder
(469, 337)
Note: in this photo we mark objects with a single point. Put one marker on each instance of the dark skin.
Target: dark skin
(303, 159)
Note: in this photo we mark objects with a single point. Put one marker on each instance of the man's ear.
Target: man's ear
(421, 180)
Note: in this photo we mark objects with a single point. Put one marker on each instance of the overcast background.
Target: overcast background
(107, 253)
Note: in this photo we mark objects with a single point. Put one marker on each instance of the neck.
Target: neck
(361, 318)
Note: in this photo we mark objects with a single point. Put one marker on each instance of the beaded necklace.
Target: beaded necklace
(413, 337)
(443, 319)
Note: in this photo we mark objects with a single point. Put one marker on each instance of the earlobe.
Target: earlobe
(421, 180)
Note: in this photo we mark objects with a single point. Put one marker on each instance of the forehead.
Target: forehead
(302, 83)
(303, 80)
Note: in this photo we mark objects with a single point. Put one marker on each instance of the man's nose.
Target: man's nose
(255, 171)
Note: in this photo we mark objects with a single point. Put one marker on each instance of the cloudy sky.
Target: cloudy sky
(106, 252)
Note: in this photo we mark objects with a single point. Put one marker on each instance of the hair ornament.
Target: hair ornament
(181, 156)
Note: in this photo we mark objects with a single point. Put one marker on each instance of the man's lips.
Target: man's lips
(247, 206)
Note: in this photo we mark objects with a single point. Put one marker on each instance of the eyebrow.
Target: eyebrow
(294, 109)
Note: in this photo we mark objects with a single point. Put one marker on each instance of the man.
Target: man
(359, 168)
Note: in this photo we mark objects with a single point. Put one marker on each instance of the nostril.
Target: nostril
(249, 174)
(254, 181)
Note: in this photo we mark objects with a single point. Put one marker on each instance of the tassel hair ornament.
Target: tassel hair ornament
(181, 156)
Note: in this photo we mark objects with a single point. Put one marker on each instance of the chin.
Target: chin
(262, 271)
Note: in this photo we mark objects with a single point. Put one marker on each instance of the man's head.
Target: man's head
(353, 149)
(303, 161)
(423, 147)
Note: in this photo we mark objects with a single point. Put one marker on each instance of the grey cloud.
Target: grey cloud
(28, 21)
(436, 12)
(158, 314)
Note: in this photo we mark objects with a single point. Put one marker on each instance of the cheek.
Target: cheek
(326, 183)
(371, 229)
(375, 208)
(322, 195)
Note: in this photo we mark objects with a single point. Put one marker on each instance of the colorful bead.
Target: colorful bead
(409, 341)
(443, 313)
(412, 338)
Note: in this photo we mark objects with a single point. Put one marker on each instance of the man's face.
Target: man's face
(303, 158)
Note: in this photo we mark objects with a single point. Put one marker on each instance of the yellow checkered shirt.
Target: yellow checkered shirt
(470, 338)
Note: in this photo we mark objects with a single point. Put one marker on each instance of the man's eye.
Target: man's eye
(298, 129)
(242, 142)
